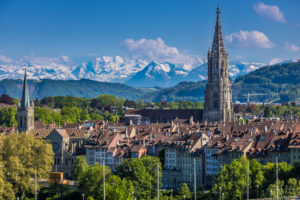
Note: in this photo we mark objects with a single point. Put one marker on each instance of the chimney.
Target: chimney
(266, 128)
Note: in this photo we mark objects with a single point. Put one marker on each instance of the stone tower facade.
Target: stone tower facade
(218, 96)
(25, 110)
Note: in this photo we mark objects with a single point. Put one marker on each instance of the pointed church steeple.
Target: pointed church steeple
(25, 110)
(218, 95)
(25, 94)
(218, 43)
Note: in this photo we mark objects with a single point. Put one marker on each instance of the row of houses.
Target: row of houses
(190, 151)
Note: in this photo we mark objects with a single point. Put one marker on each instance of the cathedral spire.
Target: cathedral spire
(218, 95)
(218, 43)
(25, 95)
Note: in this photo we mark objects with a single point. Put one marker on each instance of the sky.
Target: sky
(73, 30)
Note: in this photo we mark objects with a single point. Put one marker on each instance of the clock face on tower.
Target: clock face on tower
(55, 146)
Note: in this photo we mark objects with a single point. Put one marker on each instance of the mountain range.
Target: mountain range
(134, 72)
(269, 84)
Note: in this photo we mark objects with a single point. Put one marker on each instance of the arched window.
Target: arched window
(216, 100)
(216, 95)
(21, 124)
(216, 104)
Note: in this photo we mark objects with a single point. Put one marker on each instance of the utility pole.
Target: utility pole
(195, 186)
(103, 178)
(276, 177)
(157, 181)
(35, 193)
(248, 180)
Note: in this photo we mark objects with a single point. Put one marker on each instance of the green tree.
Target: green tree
(96, 116)
(256, 177)
(292, 187)
(117, 188)
(271, 190)
(71, 114)
(232, 179)
(151, 163)
(184, 190)
(8, 117)
(80, 168)
(20, 154)
(134, 170)
(84, 115)
(92, 178)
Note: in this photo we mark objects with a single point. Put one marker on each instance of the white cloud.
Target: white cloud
(5, 59)
(269, 11)
(38, 60)
(157, 49)
(275, 61)
(150, 48)
(290, 47)
(251, 39)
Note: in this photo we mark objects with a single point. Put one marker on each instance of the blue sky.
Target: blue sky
(253, 30)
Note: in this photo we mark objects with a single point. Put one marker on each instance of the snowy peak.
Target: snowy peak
(135, 72)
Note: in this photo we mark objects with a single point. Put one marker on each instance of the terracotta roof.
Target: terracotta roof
(75, 133)
(39, 125)
(62, 132)
(41, 133)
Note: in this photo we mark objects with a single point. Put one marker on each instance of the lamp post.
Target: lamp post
(220, 193)
(83, 196)
(257, 186)
(171, 194)
(132, 194)
(183, 197)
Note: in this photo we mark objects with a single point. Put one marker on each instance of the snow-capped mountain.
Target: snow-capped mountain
(109, 69)
(166, 74)
(135, 72)
(158, 74)
(106, 69)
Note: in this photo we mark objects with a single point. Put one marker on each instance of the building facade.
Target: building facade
(218, 95)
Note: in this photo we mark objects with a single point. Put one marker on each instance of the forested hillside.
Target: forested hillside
(77, 88)
(279, 83)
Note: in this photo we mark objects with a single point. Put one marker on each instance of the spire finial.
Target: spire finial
(218, 10)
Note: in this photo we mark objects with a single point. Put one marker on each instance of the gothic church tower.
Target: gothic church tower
(25, 110)
(218, 96)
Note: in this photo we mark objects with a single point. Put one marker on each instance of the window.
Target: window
(216, 95)
(216, 104)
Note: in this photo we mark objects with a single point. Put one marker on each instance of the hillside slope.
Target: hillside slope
(278, 83)
(77, 88)
(275, 83)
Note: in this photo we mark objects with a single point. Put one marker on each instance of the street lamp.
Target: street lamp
(83, 196)
(257, 186)
(184, 197)
(222, 195)
(171, 194)
(132, 194)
